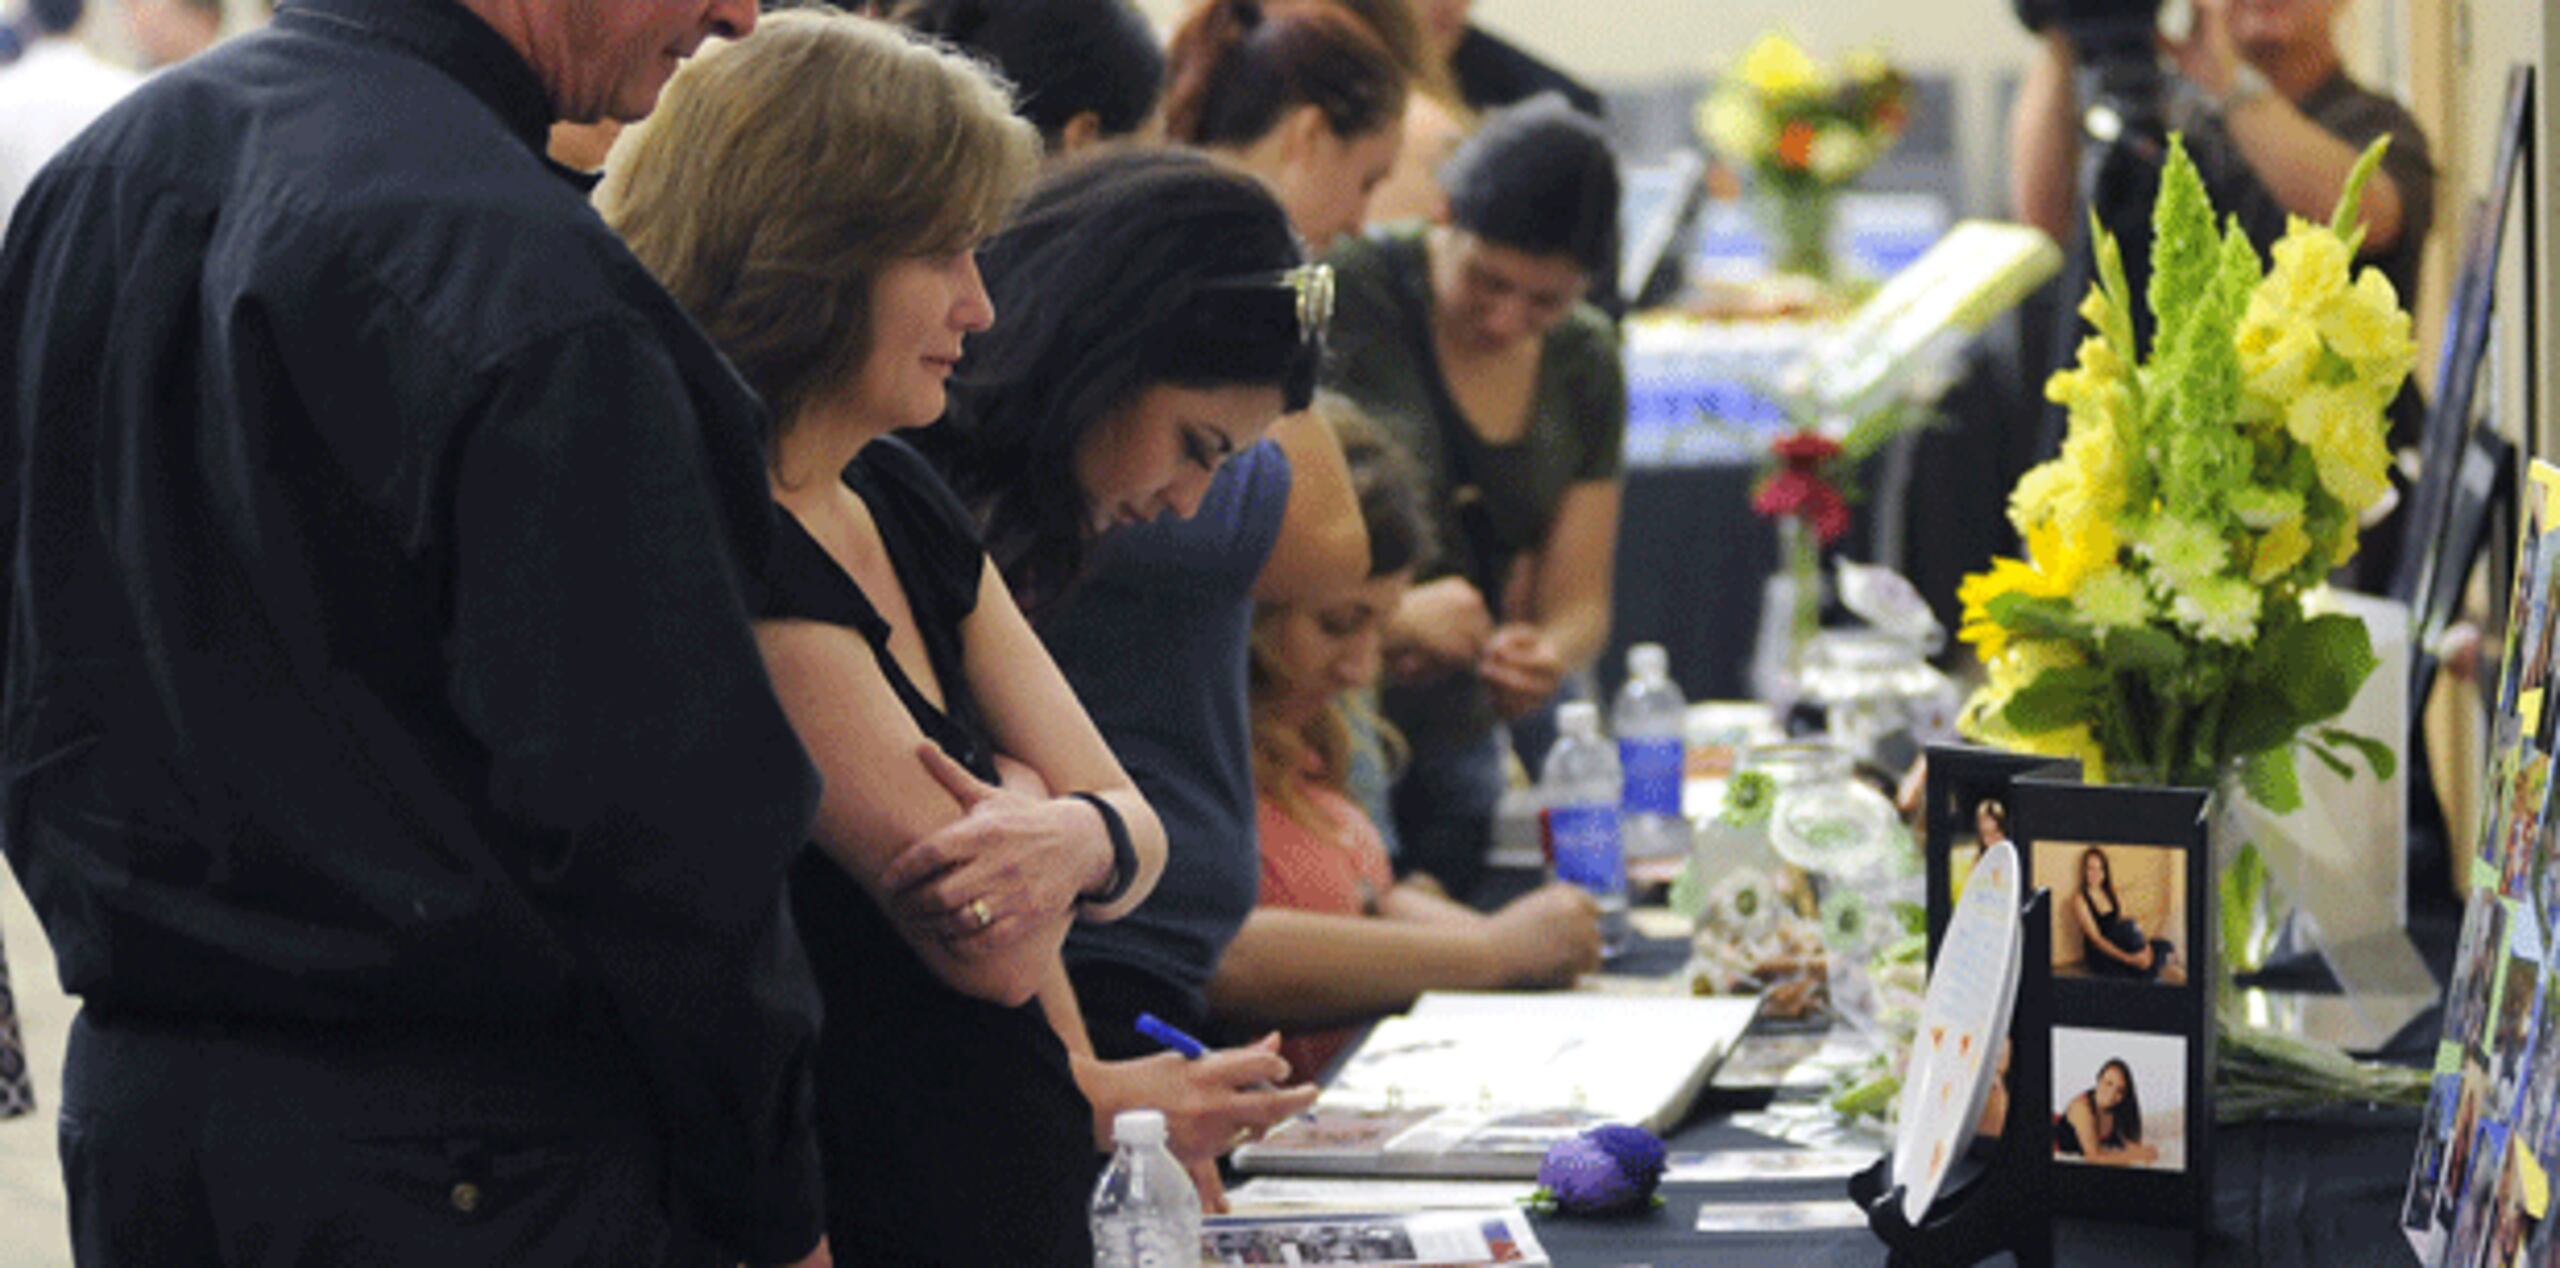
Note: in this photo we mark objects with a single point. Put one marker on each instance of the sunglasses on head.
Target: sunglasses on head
(1310, 287)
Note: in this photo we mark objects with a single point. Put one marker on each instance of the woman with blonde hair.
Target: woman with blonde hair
(815, 198)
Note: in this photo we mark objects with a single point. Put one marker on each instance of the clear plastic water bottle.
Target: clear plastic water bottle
(1652, 725)
(1146, 1214)
(1579, 787)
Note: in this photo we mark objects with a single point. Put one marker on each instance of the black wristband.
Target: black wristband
(1124, 856)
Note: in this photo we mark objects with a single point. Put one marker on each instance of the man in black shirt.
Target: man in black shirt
(382, 741)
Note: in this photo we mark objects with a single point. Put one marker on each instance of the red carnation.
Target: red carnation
(1805, 449)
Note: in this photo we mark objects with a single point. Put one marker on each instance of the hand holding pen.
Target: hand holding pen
(1214, 1099)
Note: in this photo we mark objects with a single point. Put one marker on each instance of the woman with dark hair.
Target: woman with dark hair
(1158, 317)
(814, 197)
(1990, 822)
(2116, 945)
(1470, 343)
(1084, 72)
(2103, 1126)
(1301, 93)
(1335, 941)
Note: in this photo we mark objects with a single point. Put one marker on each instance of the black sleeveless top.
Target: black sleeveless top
(951, 1129)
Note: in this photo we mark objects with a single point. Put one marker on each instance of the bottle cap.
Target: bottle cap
(1138, 1127)
(1648, 660)
(1578, 717)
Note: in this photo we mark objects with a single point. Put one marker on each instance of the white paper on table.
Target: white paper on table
(1779, 1217)
(1490, 1235)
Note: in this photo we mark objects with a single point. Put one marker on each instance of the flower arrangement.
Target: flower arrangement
(2155, 627)
(1807, 483)
(1609, 1170)
(1803, 130)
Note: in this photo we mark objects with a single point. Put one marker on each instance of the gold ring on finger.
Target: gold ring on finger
(980, 914)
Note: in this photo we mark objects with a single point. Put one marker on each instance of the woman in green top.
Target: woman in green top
(1471, 342)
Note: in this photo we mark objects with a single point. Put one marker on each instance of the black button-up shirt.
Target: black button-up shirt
(376, 643)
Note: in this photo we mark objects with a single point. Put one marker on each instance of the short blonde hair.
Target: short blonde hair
(781, 174)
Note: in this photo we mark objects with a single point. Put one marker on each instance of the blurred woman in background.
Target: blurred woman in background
(1301, 93)
(1470, 343)
(1085, 72)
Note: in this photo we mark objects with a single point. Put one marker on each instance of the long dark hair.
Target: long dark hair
(1065, 57)
(1237, 66)
(2128, 1112)
(1110, 281)
(2106, 880)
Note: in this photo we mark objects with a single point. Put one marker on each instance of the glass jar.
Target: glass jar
(1871, 684)
(1822, 851)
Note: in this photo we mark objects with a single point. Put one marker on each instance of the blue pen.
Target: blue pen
(1172, 1036)
(1166, 1033)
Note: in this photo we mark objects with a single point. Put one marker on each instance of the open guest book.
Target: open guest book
(1479, 1084)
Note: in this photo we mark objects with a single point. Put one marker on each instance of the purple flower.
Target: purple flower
(1604, 1170)
(1638, 1153)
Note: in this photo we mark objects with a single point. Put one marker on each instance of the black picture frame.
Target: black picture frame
(1960, 777)
(2062, 814)
(2429, 573)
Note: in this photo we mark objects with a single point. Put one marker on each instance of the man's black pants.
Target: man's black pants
(204, 1143)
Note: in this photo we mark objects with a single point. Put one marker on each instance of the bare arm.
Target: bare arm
(1034, 717)
(1574, 572)
(1323, 544)
(1296, 969)
(2044, 142)
(2305, 166)
(1560, 620)
(2099, 943)
(880, 797)
(2302, 164)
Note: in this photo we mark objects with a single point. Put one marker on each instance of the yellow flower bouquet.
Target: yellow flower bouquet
(2155, 627)
(1803, 130)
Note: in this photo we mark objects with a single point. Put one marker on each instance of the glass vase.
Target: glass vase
(1795, 221)
(1790, 614)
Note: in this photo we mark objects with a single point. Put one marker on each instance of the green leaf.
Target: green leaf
(2034, 616)
(2344, 221)
(2316, 666)
(2337, 765)
(2146, 648)
(2058, 698)
(2271, 781)
(2377, 754)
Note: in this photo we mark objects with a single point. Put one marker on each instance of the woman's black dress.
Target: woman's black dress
(951, 1129)
(2126, 934)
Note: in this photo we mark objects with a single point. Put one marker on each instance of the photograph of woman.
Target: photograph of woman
(2103, 1125)
(2114, 942)
(2120, 1099)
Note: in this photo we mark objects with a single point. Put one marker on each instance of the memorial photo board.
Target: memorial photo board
(2479, 1186)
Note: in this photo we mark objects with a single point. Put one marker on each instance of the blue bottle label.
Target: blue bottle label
(1653, 773)
(1585, 839)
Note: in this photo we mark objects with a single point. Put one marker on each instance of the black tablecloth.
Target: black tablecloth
(2317, 1192)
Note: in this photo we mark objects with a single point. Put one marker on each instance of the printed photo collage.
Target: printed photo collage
(2129, 906)
(2479, 1186)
